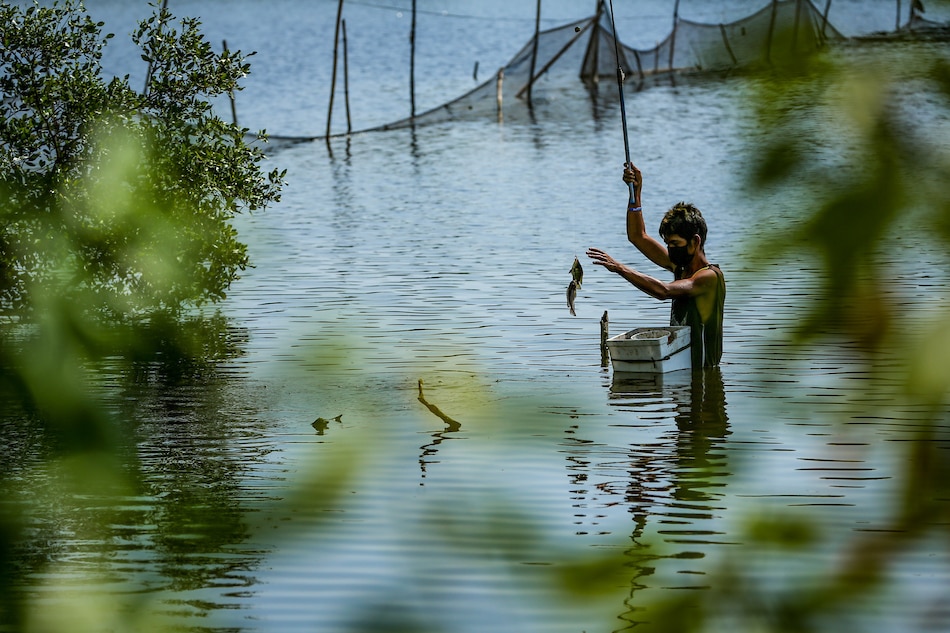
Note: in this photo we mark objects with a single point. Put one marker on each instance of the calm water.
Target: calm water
(442, 255)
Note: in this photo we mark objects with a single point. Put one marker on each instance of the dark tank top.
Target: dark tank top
(705, 336)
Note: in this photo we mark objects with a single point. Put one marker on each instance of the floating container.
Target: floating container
(651, 350)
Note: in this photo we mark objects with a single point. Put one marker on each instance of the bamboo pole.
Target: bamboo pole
(798, 11)
(594, 45)
(591, 53)
(725, 42)
(336, 44)
(412, 62)
(768, 41)
(534, 50)
(552, 61)
(499, 91)
(346, 81)
(676, 15)
(897, 22)
(824, 22)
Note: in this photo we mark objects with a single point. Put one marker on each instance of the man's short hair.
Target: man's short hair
(685, 220)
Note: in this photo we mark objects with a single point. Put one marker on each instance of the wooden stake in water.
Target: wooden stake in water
(499, 92)
(346, 81)
(534, 50)
(676, 15)
(768, 39)
(824, 22)
(336, 45)
(412, 61)
(604, 335)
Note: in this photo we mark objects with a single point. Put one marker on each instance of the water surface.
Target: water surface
(442, 254)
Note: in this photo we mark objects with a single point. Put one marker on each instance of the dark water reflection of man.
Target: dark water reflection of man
(705, 411)
(703, 425)
(693, 470)
(699, 401)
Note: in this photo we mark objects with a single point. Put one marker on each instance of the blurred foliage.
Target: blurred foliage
(844, 137)
(119, 200)
(116, 218)
(115, 232)
(117, 209)
(840, 137)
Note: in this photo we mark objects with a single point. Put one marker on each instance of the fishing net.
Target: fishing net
(585, 51)
(782, 28)
(555, 60)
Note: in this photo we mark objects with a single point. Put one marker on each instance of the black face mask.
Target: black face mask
(679, 255)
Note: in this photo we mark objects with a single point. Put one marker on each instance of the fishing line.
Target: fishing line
(623, 109)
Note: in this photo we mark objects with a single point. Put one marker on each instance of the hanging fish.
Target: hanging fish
(571, 295)
(577, 272)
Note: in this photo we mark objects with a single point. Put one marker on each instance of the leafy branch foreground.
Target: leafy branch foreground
(116, 200)
(116, 210)
(127, 212)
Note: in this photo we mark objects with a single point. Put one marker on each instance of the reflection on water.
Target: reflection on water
(678, 481)
(674, 464)
(174, 531)
(672, 475)
(432, 448)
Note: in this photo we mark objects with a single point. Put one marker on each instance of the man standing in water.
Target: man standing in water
(698, 289)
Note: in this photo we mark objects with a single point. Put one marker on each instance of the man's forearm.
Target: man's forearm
(650, 285)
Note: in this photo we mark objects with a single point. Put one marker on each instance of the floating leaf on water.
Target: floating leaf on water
(321, 424)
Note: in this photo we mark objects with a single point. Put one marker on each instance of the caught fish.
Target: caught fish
(577, 272)
(571, 295)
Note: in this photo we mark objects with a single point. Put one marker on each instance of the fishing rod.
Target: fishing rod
(620, 76)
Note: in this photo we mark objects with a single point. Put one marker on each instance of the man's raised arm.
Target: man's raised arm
(636, 229)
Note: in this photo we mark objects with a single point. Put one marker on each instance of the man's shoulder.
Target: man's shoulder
(709, 270)
(709, 278)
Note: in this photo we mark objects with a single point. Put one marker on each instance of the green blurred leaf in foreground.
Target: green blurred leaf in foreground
(116, 211)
